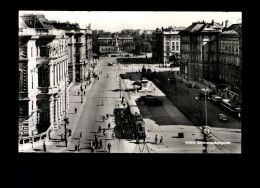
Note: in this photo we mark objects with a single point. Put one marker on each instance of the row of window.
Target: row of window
(230, 48)
(173, 43)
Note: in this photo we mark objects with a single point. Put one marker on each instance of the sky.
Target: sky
(114, 21)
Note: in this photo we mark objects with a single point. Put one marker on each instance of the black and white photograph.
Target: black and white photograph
(153, 82)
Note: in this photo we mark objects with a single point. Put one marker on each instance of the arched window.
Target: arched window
(43, 76)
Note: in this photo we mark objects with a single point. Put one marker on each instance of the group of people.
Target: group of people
(161, 140)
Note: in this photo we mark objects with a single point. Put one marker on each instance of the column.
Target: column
(51, 74)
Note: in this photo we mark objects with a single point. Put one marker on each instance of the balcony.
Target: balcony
(40, 32)
(43, 89)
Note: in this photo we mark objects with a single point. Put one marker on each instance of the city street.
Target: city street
(103, 95)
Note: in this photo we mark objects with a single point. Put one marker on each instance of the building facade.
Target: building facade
(113, 44)
(80, 50)
(199, 52)
(43, 71)
(230, 57)
(166, 43)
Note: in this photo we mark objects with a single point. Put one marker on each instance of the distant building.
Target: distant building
(43, 67)
(166, 43)
(113, 44)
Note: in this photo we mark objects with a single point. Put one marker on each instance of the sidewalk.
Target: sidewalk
(54, 143)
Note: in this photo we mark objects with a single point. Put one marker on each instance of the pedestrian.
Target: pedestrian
(91, 143)
(109, 147)
(161, 140)
(78, 92)
(44, 146)
(104, 132)
(155, 139)
(61, 137)
(70, 132)
(108, 126)
(76, 147)
(49, 135)
(96, 143)
(76, 110)
(107, 116)
(96, 139)
(80, 135)
(99, 129)
(103, 117)
(100, 143)
(84, 92)
(113, 135)
(102, 103)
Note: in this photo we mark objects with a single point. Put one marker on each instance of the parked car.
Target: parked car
(196, 86)
(216, 99)
(189, 84)
(222, 117)
(172, 80)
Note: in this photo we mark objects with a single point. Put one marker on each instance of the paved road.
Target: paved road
(187, 100)
(102, 91)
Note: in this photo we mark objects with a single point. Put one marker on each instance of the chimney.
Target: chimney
(226, 23)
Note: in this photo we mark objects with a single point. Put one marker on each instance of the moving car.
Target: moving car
(222, 117)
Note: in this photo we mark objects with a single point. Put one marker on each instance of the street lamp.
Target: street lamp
(168, 84)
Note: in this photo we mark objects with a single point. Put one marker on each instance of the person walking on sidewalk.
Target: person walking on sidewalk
(80, 135)
(100, 143)
(78, 92)
(161, 140)
(109, 147)
(76, 110)
(84, 92)
(113, 135)
(107, 116)
(76, 147)
(44, 146)
(108, 126)
(103, 117)
(155, 139)
(99, 129)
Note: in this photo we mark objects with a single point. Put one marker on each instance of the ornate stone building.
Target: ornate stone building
(230, 57)
(199, 51)
(166, 43)
(80, 50)
(43, 71)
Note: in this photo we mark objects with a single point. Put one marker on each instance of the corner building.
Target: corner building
(199, 51)
(43, 68)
